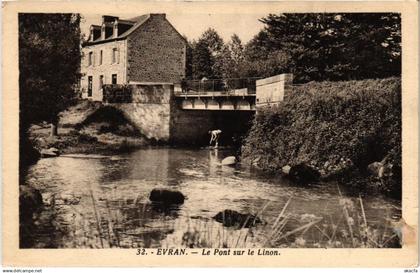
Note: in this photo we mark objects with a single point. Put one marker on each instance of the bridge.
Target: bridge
(235, 94)
(184, 113)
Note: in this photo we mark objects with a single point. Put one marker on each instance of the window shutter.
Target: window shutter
(118, 55)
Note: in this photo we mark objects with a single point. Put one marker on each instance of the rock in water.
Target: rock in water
(167, 197)
(230, 218)
(303, 174)
(230, 160)
(286, 169)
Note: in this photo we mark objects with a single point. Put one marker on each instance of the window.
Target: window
(90, 86)
(114, 55)
(90, 58)
(100, 57)
(114, 78)
(101, 81)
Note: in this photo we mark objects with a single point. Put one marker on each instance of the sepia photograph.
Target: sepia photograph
(181, 133)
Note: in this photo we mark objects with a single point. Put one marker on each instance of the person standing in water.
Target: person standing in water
(215, 134)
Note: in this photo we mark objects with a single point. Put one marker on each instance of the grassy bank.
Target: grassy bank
(337, 127)
(90, 127)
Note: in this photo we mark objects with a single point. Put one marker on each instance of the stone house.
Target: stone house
(144, 49)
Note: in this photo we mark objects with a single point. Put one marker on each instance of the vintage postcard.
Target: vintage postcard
(252, 134)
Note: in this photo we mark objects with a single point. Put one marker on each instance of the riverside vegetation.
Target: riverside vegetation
(110, 229)
(338, 128)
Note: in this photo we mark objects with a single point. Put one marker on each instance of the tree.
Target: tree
(49, 65)
(202, 61)
(213, 41)
(49, 69)
(236, 48)
(277, 62)
(189, 56)
(232, 57)
(207, 52)
(329, 46)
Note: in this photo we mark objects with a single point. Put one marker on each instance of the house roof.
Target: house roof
(138, 22)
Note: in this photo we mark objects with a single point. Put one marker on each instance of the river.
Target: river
(102, 201)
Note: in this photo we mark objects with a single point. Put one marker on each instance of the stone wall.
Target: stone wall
(149, 109)
(152, 119)
(270, 91)
(106, 69)
(157, 52)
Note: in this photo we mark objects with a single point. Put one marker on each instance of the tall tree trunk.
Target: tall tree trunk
(54, 128)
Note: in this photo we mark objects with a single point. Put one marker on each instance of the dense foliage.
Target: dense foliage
(206, 55)
(312, 46)
(330, 123)
(49, 67)
(328, 46)
(49, 64)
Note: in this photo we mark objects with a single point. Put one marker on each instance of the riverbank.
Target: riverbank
(337, 128)
(90, 128)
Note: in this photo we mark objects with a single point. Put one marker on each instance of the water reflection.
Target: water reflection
(104, 202)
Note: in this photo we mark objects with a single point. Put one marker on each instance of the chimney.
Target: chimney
(107, 30)
(158, 15)
(121, 26)
(95, 32)
(109, 19)
(115, 29)
(103, 32)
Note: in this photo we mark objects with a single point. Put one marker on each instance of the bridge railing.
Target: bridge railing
(220, 85)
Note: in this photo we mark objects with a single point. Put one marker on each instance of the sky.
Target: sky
(246, 26)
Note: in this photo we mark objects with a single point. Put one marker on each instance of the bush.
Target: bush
(328, 125)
